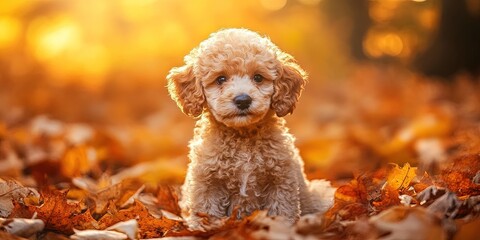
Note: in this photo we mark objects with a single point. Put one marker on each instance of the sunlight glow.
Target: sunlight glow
(89, 40)
(273, 5)
(310, 2)
(51, 37)
(380, 44)
(9, 31)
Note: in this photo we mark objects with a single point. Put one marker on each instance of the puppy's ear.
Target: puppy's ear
(288, 86)
(185, 90)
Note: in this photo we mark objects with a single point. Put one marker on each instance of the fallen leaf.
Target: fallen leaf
(407, 223)
(389, 197)
(43, 125)
(446, 206)
(11, 190)
(167, 198)
(102, 192)
(130, 228)
(58, 214)
(459, 174)
(10, 164)
(400, 178)
(424, 182)
(148, 171)
(429, 194)
(431, 152)
(98, 234)
(77, 161)
(433, 123)
(150, 226)
(22, 227)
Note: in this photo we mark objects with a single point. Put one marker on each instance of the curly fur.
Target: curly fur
(241, 158)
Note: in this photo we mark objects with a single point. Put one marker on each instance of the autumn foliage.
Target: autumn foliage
(406, 165)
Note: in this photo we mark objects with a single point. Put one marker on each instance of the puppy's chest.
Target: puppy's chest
(244, 168)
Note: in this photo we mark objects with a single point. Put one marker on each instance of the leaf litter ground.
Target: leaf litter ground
(402, 150)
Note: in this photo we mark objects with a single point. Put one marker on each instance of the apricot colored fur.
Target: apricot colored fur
(243, 159)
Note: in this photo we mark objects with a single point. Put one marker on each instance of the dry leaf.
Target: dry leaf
(389, 197)
(150, 226)
(148, 171)
(10, 163)
(407, 223)
(58, 214)
(167, 199)
(130, 228)
(77, 161)
(98, 235)
(447, 205)
(11, 190)
(431, 152)
(122, 180)
(22, 227)
(459, 174)
(400, 178)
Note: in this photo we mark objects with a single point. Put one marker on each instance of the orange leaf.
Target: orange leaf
(76, 161)
(149, 226)
(400, 178)
(458, 176)
(347, 193)
(59, 215)
(389, 197)
(168, 199)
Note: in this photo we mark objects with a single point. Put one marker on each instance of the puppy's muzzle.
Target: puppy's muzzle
(242, 101)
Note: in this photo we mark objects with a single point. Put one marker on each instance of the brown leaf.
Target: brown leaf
(10, 191)
(167, 197)
(389, 197)
(407, 223)
(149, 226)
(58, 214)
(77, 161)
(458, 176)
(422, 183)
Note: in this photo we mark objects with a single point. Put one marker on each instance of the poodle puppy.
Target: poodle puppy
(242, 156)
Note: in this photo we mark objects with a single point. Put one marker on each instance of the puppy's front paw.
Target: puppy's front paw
(203, 223)
(197, 223)
(291, 217)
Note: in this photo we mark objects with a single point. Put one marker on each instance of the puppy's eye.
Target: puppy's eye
(258, 78)
(220, 80)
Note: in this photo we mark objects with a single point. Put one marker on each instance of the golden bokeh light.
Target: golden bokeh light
(89, 42)
(273, 5)
(9, 7)
(391, 44)
(428, 18)
(10, 29)
(51, 37)
(91, 64)
(380, 44)
(382, 11)
(310, 2)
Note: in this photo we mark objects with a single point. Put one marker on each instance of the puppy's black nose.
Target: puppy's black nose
(242, 101)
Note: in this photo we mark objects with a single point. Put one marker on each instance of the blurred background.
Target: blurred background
(378, 69)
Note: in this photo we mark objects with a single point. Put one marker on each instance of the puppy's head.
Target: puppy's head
(239, 76)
